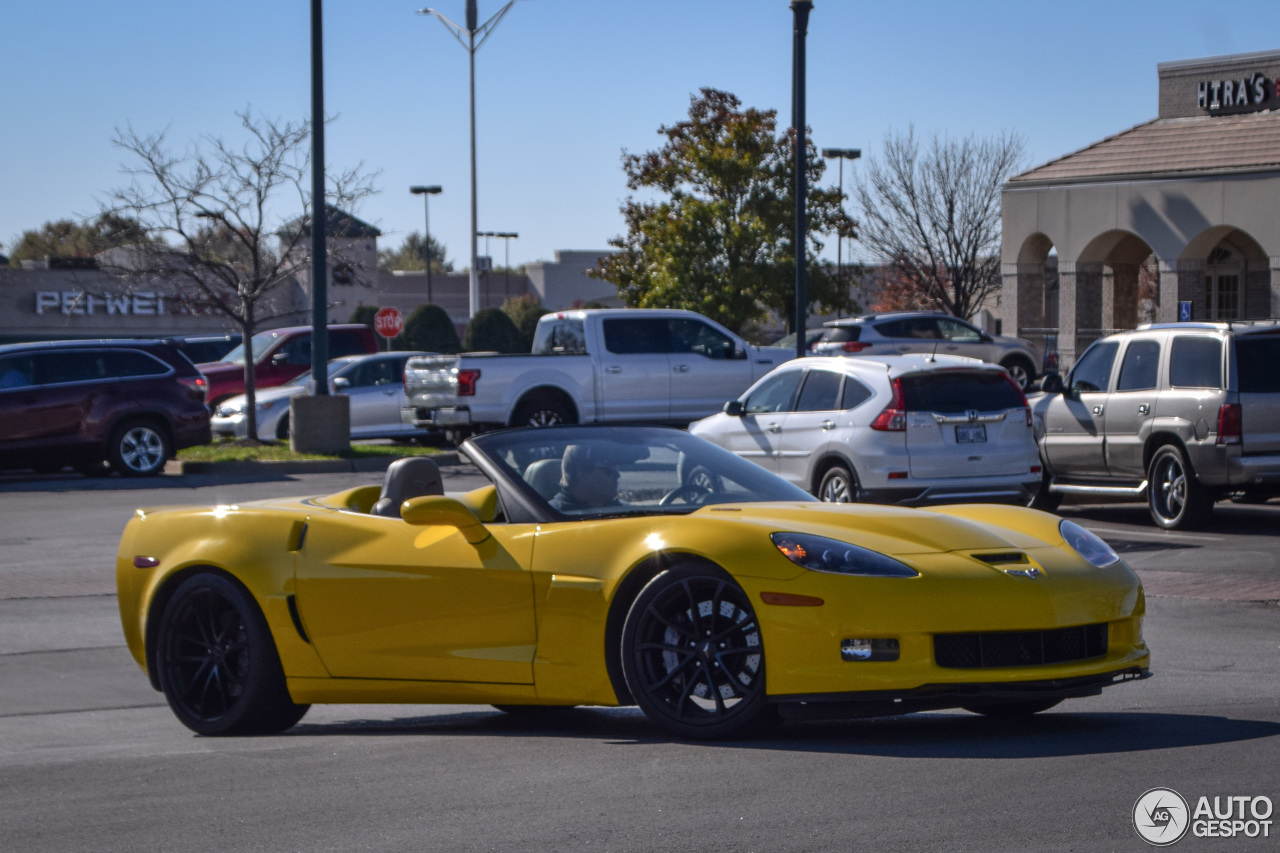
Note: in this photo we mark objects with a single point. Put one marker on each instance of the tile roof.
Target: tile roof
(1202, 145)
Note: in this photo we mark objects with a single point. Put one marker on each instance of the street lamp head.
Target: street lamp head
(842, 153)
(431, 190)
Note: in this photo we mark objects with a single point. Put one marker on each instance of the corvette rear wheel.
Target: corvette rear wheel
(1013, 709)
(218, 664)
(692, 653)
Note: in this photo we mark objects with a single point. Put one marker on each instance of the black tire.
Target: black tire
(217, 661)
(1013, 709)
(692, 654)
(138, 449)
(96, 468)
(838, 485)
(282, 428)
(1045, 499)
(542, 411)
(1174, 496)
(1022, 371)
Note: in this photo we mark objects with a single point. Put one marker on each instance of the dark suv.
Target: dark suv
(125, 404)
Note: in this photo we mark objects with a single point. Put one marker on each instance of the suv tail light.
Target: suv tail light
(197, 385)
(1026, 407)
(893, 418)
(467, 382)
(854, 346)
(1229, 424)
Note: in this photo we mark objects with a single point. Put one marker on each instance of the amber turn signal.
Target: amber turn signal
(788, 599)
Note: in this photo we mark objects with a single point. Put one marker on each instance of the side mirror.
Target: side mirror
(733, 408)
(1052, 384)
(279, 359)
(447, 512)
(985, 338)
(341, 383)
(739, 352)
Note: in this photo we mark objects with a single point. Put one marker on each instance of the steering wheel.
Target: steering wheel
(698, 487)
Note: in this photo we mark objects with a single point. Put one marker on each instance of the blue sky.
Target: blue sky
(563, 86)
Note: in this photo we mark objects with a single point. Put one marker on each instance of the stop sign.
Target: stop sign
(388, 322)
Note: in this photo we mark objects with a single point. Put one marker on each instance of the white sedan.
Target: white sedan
(374, 384)
(915, 430)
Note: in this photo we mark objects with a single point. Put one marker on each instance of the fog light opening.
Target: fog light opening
(859, 649)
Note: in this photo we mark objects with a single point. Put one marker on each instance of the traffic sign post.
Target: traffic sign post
(388, 322)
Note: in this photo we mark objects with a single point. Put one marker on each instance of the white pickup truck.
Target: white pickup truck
(608, 365)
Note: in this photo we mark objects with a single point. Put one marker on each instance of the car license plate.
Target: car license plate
(971, 433)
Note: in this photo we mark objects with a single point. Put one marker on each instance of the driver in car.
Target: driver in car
(588, 479)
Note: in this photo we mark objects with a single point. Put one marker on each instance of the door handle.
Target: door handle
(1144, 409)
(613, 368)
(681, 368)
(904, 347)
(828, 424)
(773, 428)
(1097, 410)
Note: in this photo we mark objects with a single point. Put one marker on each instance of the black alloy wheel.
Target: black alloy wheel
(1174, 495)
(217, 662)
(693, 655)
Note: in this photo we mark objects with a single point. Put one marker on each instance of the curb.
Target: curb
(178, 467)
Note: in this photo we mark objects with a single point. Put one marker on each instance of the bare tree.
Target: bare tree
(217, 210)
(932, 221)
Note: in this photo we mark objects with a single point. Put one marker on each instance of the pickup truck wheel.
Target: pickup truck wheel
(1174, 495)
(542, 412)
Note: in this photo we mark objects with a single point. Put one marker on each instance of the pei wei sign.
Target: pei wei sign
(1252, 91)
(68, 302)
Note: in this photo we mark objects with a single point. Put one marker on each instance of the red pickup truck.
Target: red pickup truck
(279, 355)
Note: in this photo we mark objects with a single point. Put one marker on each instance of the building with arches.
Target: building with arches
(1182, 211)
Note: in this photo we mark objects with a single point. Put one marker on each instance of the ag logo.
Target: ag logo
(1161, 817)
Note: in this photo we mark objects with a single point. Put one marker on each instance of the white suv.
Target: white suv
(910, 430)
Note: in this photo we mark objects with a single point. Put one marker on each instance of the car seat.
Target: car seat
(411, 477)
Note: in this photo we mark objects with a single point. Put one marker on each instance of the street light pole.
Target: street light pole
(800, 10)
(506, 237)
(426, 193)
(471, 46)
(841, 154)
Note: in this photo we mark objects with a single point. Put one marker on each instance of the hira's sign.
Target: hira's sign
(140, 304)
(1252, 91)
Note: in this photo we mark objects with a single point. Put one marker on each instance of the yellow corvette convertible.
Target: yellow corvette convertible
(616, 566)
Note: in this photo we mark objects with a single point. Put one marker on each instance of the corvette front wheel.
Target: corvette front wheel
(218, 664)
(693, 655)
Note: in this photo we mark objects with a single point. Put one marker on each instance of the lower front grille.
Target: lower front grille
(1019, 648)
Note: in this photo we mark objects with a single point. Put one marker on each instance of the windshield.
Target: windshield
(261, 342)
(599, 472)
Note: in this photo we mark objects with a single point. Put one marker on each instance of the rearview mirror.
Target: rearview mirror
(1052, 384)
(733, 408)
(439, 510)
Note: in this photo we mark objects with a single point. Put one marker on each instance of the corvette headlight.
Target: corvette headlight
(1088, 545)
(819, 554)
(230, 411)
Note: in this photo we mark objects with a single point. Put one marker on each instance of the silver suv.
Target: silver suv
(1181, 414)
(927, 332)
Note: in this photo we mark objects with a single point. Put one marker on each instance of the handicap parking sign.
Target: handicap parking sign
(1184, 312)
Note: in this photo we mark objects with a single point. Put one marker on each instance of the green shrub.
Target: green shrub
(430, 329)
(524, 311)
(491, 330)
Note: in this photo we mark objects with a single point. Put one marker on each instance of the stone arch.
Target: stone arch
(1226, 275)
(1108, 285)
(1037, 285)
